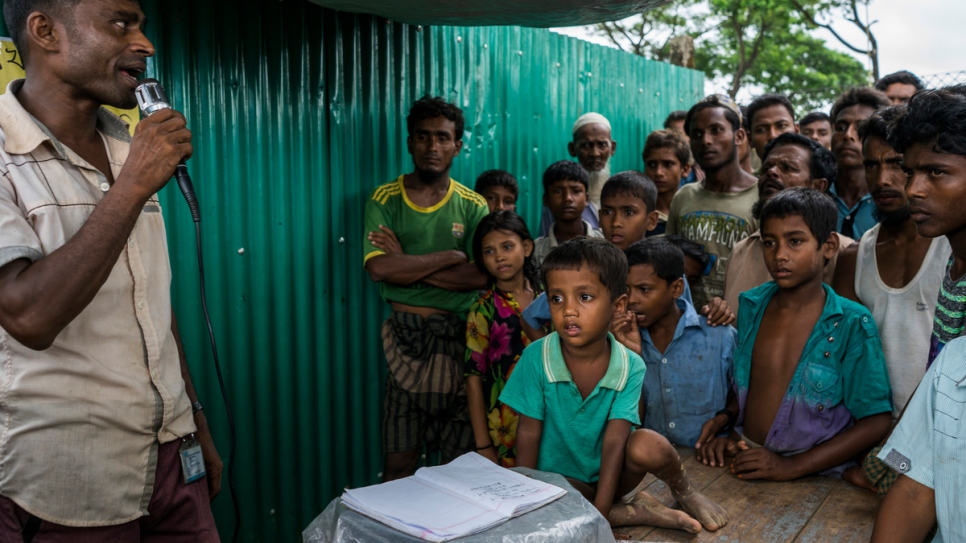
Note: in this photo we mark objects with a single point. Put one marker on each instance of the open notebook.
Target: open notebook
(466, 496)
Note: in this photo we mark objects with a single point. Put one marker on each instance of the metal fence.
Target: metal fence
(935, 81)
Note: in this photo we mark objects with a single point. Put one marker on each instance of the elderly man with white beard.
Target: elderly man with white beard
(593, 148)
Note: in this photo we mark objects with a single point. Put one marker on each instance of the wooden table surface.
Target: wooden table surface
(810, 510)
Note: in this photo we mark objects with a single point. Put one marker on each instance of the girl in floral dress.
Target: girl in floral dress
(495, 338)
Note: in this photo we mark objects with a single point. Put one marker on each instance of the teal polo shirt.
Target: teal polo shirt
(542, 388)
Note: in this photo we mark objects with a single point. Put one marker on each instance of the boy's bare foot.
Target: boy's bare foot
(711, 515)
(644, 509)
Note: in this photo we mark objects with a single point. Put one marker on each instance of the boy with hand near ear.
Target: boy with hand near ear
(688, 361)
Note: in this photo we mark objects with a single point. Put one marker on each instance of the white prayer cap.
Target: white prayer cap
(590, 118)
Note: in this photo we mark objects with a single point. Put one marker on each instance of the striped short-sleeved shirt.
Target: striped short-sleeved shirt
(80, 422)
(541, 387)
(929, 443)
(950, 320)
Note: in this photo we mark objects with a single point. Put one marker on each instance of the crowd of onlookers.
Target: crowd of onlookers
(782, 295)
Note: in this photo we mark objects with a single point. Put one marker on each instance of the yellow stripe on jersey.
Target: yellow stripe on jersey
(470, 195)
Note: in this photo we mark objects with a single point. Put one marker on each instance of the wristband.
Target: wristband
(484, 447)
(195, 407)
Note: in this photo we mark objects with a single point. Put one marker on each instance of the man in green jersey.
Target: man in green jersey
(418, 248)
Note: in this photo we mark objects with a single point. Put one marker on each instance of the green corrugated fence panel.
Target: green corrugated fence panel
(298, 112)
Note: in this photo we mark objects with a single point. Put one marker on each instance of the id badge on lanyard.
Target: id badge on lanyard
(192, 461)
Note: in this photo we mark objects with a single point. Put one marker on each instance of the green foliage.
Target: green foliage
(647, 34)
(763, 44)
(808, 72)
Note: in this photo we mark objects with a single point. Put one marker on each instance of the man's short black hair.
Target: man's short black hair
(822, 163)
(668, 139)
(904, 76)
(633, 184)
(665, 257)
(863, 96)
(814, 117)
(878, 124)
(745, 123)
(15, 13)
(600, 256)
(815, 208)
(691, 249)
(497, 178)
(768, 100)
(565, 170)
(933, 117)
(430, 107)
(674, 117)
(731, 111)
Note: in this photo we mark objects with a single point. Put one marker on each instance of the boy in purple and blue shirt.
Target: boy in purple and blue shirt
(811, 380)
(839, 379)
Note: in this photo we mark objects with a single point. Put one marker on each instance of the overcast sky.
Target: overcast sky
(923, 36)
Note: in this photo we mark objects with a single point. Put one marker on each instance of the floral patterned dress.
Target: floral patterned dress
(494, 342)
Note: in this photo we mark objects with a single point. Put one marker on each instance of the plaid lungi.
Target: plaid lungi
(425, 400)
(878, 472)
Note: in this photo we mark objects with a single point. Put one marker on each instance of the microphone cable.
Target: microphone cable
(221, 384)
(151, 98)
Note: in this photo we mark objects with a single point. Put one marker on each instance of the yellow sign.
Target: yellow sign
(11, 67)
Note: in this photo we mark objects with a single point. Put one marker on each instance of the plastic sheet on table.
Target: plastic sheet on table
(570, 519)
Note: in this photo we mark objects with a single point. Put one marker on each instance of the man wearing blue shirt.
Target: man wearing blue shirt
(688, 361)
(928, 449)
(850, 191)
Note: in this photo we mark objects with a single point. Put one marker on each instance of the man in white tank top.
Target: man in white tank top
(893, 271)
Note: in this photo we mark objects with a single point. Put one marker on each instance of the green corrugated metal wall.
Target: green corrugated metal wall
(298, 112)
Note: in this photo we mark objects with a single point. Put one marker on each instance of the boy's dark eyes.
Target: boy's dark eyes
(586, 297)
(556, 299)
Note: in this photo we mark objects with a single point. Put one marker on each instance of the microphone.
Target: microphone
(151, 98)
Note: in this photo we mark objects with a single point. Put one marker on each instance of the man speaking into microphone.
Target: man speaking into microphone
(101, 435)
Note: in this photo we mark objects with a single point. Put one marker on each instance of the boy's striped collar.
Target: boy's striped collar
(555, 368)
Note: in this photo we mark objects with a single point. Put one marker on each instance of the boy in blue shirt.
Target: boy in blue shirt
(577, 393)
(688, 360)
(812, 386)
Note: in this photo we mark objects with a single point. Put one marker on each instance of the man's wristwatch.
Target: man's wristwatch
(195, 407)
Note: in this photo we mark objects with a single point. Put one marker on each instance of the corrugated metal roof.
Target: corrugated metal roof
(536, 13)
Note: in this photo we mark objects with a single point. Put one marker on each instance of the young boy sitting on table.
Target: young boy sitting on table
(577, 392)
(812, 386)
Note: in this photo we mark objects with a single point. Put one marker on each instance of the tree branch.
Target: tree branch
(610, 35)
(811, 19)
